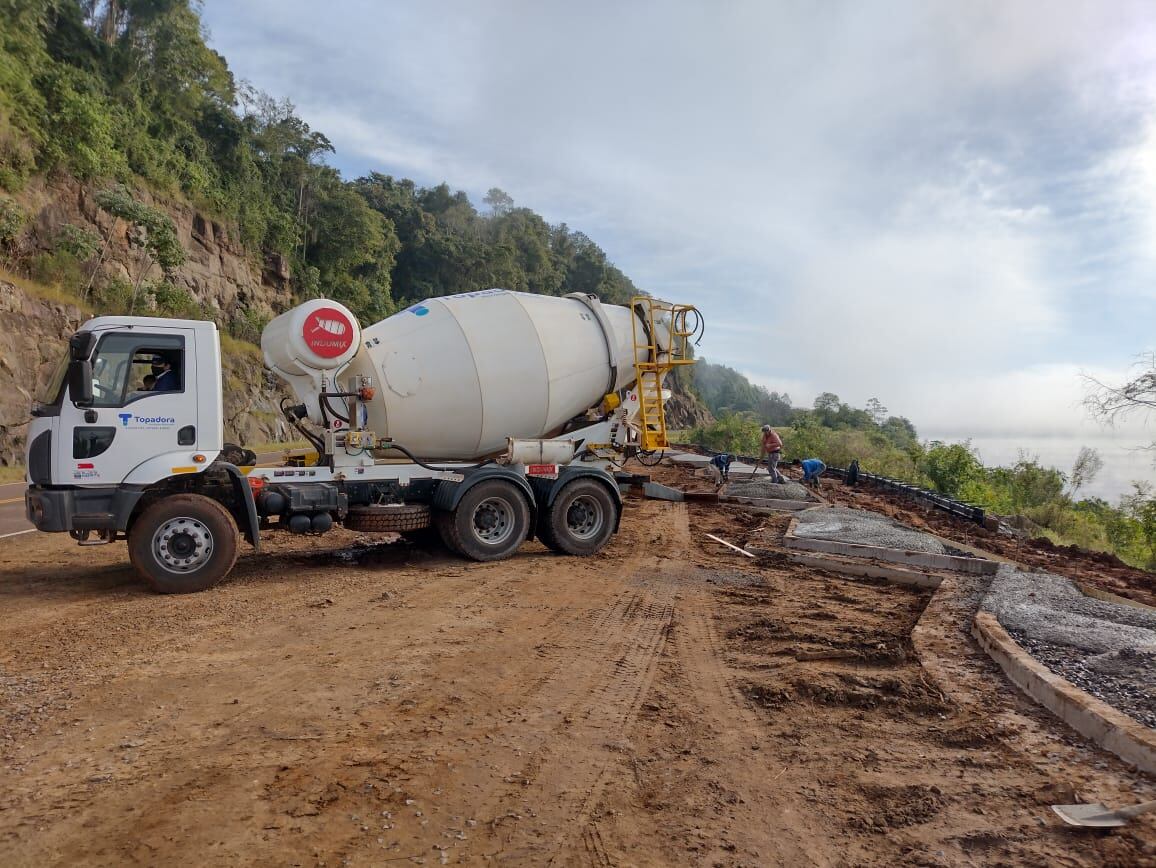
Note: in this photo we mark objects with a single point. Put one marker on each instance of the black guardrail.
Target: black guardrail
(969, 511)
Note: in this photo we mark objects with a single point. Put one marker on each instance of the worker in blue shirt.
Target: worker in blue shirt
(722, 463)
(812, 469)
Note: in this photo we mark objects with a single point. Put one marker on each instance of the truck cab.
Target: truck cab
(135, 400)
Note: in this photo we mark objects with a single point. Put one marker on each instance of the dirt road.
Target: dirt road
(646, 706)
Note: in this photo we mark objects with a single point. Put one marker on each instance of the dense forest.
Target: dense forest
(126, 93)
(1044, 500)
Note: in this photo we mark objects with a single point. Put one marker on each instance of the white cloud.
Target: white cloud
(949, 206)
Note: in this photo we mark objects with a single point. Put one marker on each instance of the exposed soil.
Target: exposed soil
(667, 701)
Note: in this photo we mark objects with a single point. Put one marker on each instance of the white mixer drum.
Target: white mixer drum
(457, 375)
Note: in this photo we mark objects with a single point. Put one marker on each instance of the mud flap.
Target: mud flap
(248, 522)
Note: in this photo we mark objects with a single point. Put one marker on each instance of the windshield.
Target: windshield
(50, 391)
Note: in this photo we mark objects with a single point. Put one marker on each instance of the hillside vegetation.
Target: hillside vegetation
(126, 96)
(1045, 500)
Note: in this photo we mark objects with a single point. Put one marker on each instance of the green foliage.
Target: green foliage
(247, 325)
(171, 300)
(114, 296)
(77, 242)
(951, 467)
(12, 220)
(59, 268)
(737, 433)
(160, 234)
(80, 128)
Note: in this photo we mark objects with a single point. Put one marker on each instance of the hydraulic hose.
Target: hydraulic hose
(317, 442)
(421, 463)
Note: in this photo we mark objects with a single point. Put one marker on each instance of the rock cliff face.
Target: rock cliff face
(218, 272)
(684, 412)
(34, 335)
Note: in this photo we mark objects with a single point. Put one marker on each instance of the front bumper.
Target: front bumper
(55, 510)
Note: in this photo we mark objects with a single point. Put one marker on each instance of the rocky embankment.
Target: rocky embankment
(34, 335)
(218, 271)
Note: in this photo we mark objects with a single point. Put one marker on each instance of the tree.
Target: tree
(876, 411)
(155, 233)
(951, 467)
(500, 201)
(1087, 465)
(1110, 403)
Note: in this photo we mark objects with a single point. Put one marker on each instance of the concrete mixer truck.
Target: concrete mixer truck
(486, 419)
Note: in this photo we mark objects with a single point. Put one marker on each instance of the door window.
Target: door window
(128, 367)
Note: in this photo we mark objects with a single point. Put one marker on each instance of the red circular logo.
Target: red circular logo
(328, 332)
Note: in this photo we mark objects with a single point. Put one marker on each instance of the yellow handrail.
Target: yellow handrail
(652, 361)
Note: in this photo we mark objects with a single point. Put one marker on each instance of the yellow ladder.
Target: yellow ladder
(652, 362)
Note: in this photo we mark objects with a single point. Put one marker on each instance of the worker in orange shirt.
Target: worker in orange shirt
(772, 448)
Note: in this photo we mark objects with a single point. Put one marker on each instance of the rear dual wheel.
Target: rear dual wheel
(581, 519)
(489, 523)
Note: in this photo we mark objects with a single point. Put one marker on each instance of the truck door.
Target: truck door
(142, 408)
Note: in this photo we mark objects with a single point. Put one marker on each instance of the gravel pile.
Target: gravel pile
(866, 528)
(769, 490)
(1108, 649)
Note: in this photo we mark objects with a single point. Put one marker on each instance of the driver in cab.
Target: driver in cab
(166, 377)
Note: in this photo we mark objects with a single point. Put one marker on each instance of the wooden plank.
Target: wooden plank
(730, 546)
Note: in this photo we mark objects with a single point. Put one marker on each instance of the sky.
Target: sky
(948, 206)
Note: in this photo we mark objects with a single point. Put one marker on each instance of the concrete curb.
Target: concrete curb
(974, 566)
(1110, 729)
(895, 575)
(1109, 597)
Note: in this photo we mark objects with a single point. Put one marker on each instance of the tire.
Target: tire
(581, 519)
(443, 524)
(490, 522)
(183, 543)
(388, 519)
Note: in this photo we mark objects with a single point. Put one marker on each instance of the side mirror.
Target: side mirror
(81, 345)
(80, 382)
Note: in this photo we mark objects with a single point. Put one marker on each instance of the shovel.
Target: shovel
(1099, 816)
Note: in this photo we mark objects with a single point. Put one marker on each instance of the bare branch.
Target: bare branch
(1109, 403)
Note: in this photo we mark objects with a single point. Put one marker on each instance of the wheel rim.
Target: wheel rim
(585, 517)
(493, 520)
(182, 544)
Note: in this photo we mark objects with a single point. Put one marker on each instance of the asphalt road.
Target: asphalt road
(12, 520)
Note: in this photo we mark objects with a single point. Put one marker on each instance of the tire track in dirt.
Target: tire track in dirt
(595, 692)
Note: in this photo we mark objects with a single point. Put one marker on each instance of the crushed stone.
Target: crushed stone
(768, 490)
(841, 524)
(1107, 649)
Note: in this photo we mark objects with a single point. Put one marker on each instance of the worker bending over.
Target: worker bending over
(721, 466)
(812, 469)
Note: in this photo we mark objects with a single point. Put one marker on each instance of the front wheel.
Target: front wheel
(489, 523)
(183, 543)
(581, 519)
